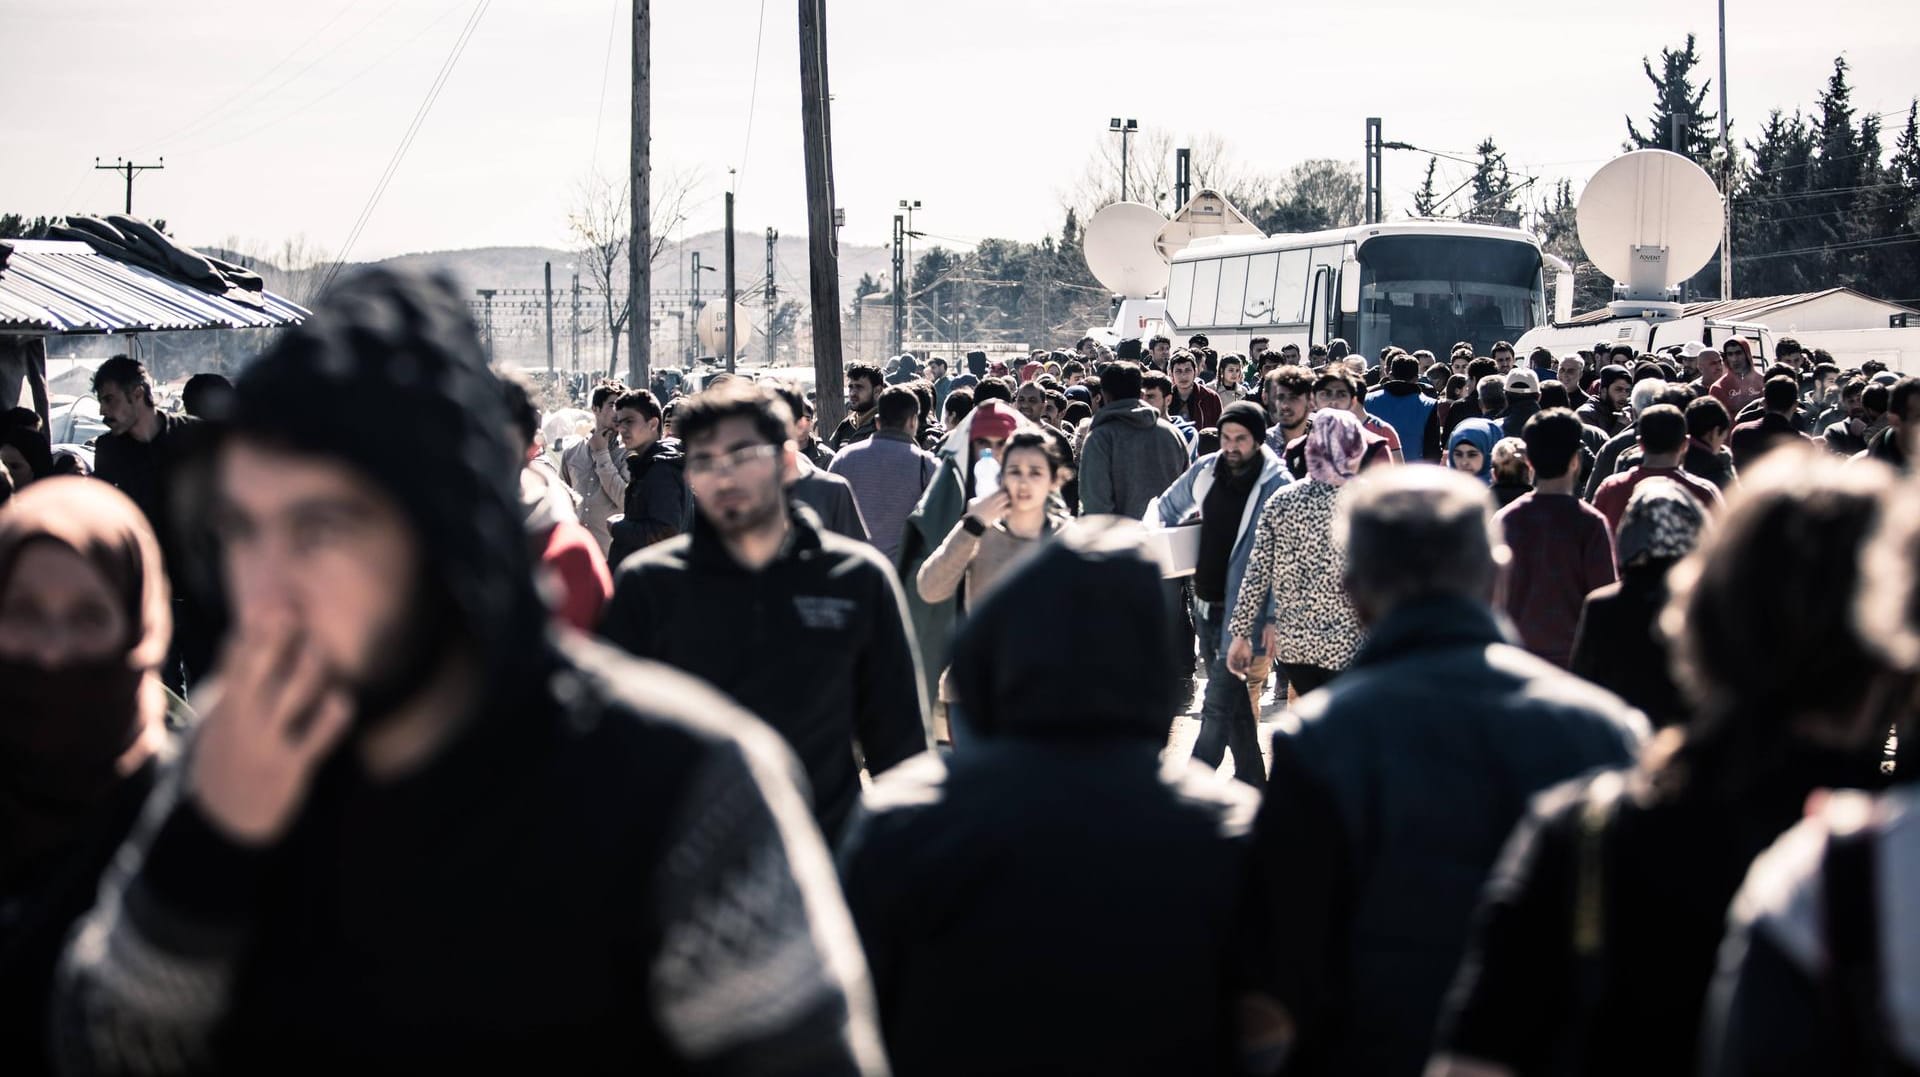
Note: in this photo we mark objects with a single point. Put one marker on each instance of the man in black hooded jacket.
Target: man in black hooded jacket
(1047, 899)
(414, 832)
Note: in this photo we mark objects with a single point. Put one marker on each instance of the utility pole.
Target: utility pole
(1182, 178)
(573, 355)
(773, 295)
(728, 311)
(1677, 129)
(1374, 178)
(640, 247)
(1726, 171)
(823, 254)
(549, 317)
(130, 169)
(487, 294)
(899, 285)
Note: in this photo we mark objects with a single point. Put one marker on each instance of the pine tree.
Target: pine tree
(1769, 210)
(1493, 189)
(1426, 203)
(1897, 264)
(1559, 234)
(1676, 101)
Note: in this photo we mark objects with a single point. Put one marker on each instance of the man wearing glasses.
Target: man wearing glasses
(803, 627)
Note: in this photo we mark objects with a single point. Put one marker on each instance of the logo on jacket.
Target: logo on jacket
(822, 612)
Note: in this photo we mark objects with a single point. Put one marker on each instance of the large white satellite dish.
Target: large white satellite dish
(1206, 214)
(1649, 219)
(1119, 244)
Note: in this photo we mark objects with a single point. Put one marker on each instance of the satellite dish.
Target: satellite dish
(1650, 219)
(1119, 244)
(712, 326)
(1207, 214)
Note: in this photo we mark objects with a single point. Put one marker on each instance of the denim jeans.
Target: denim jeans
(1227, 721)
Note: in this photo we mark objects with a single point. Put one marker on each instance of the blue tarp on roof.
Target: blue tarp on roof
(58, 286)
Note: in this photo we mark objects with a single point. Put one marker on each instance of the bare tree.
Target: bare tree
(599, 224)
(1150, 173)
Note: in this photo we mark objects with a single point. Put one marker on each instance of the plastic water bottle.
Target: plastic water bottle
(986, 475)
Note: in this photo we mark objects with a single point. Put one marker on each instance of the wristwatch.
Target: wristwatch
(972, 526)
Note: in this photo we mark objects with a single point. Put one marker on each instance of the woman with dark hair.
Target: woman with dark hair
(1597, 937)
(999, 528)
(84, 625)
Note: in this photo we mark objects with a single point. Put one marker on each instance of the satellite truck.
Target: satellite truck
(1649, 220)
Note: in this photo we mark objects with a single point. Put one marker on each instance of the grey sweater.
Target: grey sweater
(1132, 455)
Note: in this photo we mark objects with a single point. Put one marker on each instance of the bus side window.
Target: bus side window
(1290, 290)
(1233, 290)
(1180, 293)
(1258, 308)
(1206, 285)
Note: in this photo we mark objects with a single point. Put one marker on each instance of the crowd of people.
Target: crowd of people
(364, 719)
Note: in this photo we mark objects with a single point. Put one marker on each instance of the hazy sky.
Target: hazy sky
(277, 119)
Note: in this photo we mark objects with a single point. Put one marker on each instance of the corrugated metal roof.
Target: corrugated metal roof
(1738, 310)
(59, 286)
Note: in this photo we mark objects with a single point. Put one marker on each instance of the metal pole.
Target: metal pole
(899, 287)
(1182, 177)
(573, 353)
(728, 311)
(1726, 171)
(549, 317)
(1123, 164)
(772, 296)
(640, 246)
(694, 307)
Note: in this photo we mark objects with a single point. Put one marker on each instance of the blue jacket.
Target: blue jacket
(1183, 499)
(1387, 809)
(1409, 411)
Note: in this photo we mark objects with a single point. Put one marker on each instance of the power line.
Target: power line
(1898, 239)
(606, 65)
(200, 121)
(753, 97)
(406, 141)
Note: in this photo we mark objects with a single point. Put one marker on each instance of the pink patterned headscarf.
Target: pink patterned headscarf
(1336, 443)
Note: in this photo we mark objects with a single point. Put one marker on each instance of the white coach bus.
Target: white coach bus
(1415, 284)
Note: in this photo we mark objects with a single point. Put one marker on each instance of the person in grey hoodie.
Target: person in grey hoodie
(1132, 454)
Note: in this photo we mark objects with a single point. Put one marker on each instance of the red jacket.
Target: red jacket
(1202, 409)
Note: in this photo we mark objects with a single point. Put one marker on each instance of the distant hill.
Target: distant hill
(521, 267)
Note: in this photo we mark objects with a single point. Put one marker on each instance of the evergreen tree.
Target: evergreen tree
(1426, 202)
(1769, 211)
(1676, 102)
(1896, 264)
(1560, 235)
(1493, 190)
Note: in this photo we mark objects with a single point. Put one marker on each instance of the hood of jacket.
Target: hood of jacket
(1007, 661)
(389, 378)
(1128, 413)
(1402, 388)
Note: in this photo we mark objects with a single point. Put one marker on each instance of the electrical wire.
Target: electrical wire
(350, 80)
(753, 97)
(1896, 240)
(406, 141)
(198, 122)
(606, 68)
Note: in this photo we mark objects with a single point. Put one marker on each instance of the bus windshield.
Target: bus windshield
(1432, 291)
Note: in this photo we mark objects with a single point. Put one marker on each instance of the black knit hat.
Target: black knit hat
(1248, 414)
(389, 377)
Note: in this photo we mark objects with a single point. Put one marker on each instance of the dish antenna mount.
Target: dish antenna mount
(1649, 219)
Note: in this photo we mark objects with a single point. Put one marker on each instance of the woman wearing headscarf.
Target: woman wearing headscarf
(1597, 936)
(1297, 570)
(1470, 447)
(84, 626)
(1616, 644)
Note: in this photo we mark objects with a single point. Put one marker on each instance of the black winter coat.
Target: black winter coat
(816, 644)
(1617, 644)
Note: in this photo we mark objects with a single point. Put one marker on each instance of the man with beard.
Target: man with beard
(596, 467)
(1288, 392)
(415, 831)
(1226, 491)
(864, 383)
(803, 627)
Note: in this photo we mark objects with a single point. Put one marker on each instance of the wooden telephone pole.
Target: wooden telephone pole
(640, 246)
(822, 248)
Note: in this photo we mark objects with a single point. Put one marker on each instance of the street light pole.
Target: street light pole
(1125, 128)
(1726, 171)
